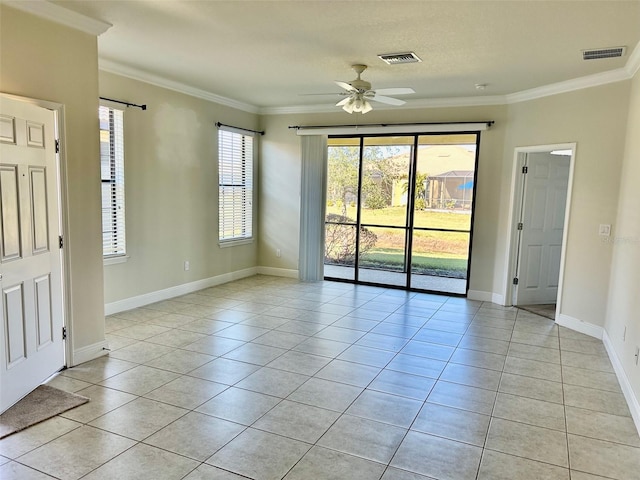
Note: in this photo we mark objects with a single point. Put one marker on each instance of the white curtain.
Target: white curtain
(312, 207)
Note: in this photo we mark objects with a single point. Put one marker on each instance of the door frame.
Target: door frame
(61, 160)
(515, 205)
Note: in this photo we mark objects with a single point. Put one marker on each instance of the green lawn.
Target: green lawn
(392, 259)
(434, 253)
(429, 243)
(396, 216)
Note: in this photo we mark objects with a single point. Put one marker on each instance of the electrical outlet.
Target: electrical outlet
(187, 265)
(278, 253)
(604, 230)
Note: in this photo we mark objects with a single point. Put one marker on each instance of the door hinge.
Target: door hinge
(57, 146)
(60, 241)
(520, 226)
(64, 333)
(515, 280)
(525, 169)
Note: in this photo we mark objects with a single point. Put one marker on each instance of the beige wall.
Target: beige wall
(47, 61)
(624, 302)
(280, 181)
(594, 118)
(171, 175)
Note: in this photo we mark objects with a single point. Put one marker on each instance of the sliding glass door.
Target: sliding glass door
(399, 210)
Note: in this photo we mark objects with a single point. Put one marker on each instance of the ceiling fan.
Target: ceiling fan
(358, 93)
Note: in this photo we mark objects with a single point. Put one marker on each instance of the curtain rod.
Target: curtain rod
(261, 132)
(364, 125)
(128, 104)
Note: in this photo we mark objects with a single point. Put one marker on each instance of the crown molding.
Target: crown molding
(140, 75)
(633, 64)
(611, 76)
(598, 79)
(58, 14)
(595, 80)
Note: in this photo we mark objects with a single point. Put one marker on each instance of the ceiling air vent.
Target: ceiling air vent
(596, 53)
(398, 58)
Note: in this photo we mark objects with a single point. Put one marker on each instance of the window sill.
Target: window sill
(115, 260)
(235, 243)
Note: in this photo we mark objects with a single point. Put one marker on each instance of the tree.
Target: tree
(422, 180)
(379, 170)
(342, 175)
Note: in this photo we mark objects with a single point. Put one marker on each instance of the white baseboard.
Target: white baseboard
(580, 326)
(171, 292)
(632, 401)
(485, 296)
(90, 352)
(278, 272)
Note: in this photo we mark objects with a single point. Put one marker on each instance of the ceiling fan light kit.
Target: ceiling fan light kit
(359, 92)
(355, 103)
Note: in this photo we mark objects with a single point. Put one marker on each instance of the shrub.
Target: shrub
(340, 240)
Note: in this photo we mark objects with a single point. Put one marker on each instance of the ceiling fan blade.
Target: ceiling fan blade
(346, 86)
(396, 91)
(326, 93)
(387, 100)
(342, 102)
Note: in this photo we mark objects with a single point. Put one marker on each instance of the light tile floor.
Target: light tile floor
(267, 378)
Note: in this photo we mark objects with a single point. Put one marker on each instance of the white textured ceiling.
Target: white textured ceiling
(267, 53)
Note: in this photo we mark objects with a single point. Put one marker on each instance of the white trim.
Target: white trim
(135, 74)
(485, 296)
(479, 295)
(176, 291)
(278, 272)
(627, 389)
(405, 128)
(514, 204)
(578, 325)
(514, 201)
(234, 242)
(58, 14)
(115, 259)
(595, 80)
(633, 64)
(611, 76)
(90, 352)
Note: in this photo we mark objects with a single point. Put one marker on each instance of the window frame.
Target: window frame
(114, 243)
(234, 159)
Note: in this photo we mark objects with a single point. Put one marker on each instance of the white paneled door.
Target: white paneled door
(31, 337)
(542, 228)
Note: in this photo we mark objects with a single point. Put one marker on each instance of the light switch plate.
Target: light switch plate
(605, 230)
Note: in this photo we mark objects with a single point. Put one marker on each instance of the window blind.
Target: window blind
(112, 176)
(235, 185)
